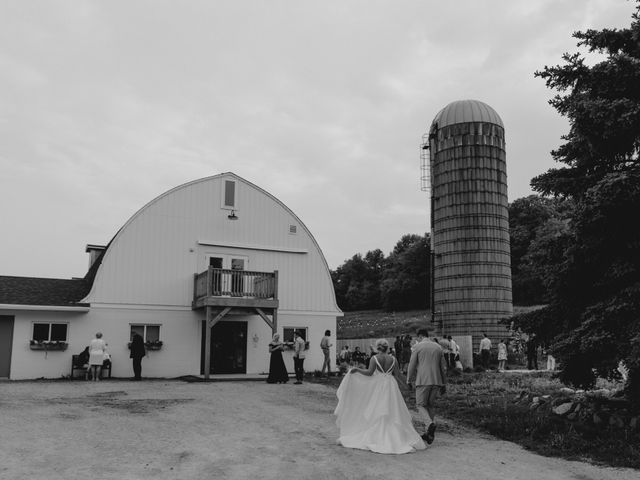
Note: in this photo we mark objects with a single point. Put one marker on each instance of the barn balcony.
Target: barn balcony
(237, 289)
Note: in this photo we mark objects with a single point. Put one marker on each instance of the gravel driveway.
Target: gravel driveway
(177, 430)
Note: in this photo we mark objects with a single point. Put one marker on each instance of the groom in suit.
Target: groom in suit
(428, 373)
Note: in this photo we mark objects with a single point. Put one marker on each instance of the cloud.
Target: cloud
(323, 104)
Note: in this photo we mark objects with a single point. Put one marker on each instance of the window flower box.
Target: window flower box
(154, 345)
(48, 345)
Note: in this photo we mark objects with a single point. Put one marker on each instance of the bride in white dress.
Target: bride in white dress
(371, 412)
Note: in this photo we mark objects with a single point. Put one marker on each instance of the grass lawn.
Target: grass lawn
(485, 401)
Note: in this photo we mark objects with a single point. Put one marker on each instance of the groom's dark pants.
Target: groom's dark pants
(298, 368)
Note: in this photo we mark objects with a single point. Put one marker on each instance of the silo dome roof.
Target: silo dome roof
(462, 111)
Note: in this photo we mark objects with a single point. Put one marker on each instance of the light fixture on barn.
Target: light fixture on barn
(232, 215)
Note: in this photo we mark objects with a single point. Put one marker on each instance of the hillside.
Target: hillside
(378, 323)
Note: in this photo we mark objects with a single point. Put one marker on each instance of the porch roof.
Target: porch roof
(53, 292)
(43, 291)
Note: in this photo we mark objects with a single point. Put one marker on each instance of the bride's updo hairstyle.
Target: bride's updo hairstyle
(382, 345)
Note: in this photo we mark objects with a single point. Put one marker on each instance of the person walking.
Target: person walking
(137, 352)
(298, 357)
(397, 346)
(97, 349)
(427, 373)
(406, 353)
(277, 370)
(485, 351)
(325, 346)
(371, 413)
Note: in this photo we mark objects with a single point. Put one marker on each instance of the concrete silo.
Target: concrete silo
(464, 166)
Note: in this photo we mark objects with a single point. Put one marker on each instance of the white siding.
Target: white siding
(180, 330)
(153, 258)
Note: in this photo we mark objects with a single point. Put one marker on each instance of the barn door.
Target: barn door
(228, 347)
(6, 341)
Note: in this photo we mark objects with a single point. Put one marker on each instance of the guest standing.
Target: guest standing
(277, 370)
(97, 349)
(406, 353)
(345, 355)
(298, 357)
(485, 350)
(502, 355)
(325, 346)
(446, 351)
(397, 346)
(137, 352)
(532, 352)
(455, 350)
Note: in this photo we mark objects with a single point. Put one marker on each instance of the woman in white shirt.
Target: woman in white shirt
(97, 349)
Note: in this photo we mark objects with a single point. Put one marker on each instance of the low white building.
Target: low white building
(218, 251)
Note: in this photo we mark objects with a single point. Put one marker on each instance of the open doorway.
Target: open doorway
(228, 348)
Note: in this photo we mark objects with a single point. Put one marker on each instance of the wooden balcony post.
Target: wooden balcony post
(275, 285)
(209, 280)
(195, 288)
(207, 343)
(274, 322)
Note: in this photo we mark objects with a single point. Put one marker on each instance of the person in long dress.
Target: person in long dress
(277, 370)
(97, 349)
(371, 413)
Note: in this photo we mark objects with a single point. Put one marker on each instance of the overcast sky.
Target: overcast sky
(106, 105)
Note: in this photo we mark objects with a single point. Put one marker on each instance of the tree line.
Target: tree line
(401, 281)
(397, 282)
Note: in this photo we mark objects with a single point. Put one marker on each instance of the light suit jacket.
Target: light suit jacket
(427, 365)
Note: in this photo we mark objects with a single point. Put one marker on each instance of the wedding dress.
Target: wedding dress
(372, 415)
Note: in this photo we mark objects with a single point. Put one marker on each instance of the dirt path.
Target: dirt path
(237, 430)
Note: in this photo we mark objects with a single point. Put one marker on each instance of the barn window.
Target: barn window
(293, 229)
(287, 333)
(229, 193)
(149, 333)
(46, 332)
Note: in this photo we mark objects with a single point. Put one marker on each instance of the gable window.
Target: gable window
(229, 194)
(149, 333)
(50, 332)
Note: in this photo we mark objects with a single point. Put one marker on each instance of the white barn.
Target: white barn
(218, 251)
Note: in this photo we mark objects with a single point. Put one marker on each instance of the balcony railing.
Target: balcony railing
(221, 282)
